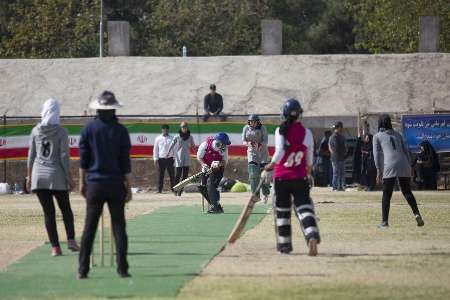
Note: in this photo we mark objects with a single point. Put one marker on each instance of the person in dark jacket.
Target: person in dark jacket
(105, 177)
(368, 169)
(427, 167)
(338, 152)
(213, 105)
(325, 158)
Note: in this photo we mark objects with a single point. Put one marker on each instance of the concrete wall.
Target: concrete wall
(326, 84)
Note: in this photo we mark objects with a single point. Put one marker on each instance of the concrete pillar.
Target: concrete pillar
(118, 38)
(428, 34)
(271, 37)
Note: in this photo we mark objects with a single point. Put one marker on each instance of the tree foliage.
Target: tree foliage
(393, 26)
(69, 28)
(56, 28)
(321, 26)
(206, 27)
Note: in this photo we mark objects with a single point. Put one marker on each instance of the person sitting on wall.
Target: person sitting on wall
(213, 105)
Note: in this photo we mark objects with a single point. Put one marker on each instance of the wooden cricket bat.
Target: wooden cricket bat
(190, 179)
(245, 214)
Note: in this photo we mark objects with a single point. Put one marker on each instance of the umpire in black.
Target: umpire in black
(105, 177)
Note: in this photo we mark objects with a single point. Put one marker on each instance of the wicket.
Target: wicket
(101, 245)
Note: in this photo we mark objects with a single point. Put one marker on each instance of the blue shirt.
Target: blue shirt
(105, 151)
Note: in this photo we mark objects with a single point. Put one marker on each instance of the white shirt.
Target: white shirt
(161, 147)
(202, 150)
(308, 141)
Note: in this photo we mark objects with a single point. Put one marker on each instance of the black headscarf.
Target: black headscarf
(384, 122)
(428, 153)
(184, 135)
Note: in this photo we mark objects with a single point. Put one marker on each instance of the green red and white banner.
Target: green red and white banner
(14, 139)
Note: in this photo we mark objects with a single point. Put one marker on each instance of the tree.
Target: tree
(50, 29)
(320, 26)
(206, 27)
(393, 26)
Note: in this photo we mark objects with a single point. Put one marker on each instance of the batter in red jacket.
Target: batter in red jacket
(292, 161)
(213, 153)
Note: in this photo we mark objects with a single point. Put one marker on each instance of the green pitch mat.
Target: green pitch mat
(167, 248)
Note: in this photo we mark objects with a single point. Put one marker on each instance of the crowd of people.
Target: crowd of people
(105, 168)
(333, 152)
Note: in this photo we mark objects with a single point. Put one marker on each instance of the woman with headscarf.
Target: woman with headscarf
(427, 166)
(254, 136)
(183, 143)
(49, 173)
(368, 169)
(392, 163)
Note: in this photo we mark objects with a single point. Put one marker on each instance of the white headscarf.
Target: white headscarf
(50, 112)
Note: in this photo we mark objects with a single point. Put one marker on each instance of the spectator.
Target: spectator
(213, 105)
(163, 157)
(183, 144)
(325, 159)
(105, 170)
(357, 156)
(338, 152)
(49, 173)
(368, 169)
(427, 167)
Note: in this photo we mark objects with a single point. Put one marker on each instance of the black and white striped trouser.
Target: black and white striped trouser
(298, 189)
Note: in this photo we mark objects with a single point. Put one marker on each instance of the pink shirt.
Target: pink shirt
(294, 160)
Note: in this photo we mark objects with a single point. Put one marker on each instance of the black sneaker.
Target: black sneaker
(220, 209)
(419, 221)
(125, 275)
(213, 210)
(285, 249)
(81, 276)
(383, 224)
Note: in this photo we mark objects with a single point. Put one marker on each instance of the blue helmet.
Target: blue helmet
(253, 117)
(223, 138)
(292, 109)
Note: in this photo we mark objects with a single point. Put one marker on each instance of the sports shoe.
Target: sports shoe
(312, 247)
(285, 249)
(81, 276)
(419, 221)
(213, 210)
(220, 208)
(72, 245)
(56, 251)
(124, 275)
(383, 224)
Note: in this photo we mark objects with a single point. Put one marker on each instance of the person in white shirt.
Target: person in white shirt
(163, 157)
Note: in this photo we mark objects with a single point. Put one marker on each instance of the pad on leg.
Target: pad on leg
(308, 221)
(283, 229)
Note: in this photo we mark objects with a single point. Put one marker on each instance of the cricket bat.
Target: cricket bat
(245, 214)
(191, 179)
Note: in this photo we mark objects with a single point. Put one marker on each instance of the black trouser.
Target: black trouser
(298, 189)
(405, 186)
(62, 198)
(210, 188)
(114, 195)
(181, 173)
(163, 164)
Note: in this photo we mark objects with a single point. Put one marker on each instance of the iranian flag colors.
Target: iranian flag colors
(14, 139)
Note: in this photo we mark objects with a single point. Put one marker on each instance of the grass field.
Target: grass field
(356, 259)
